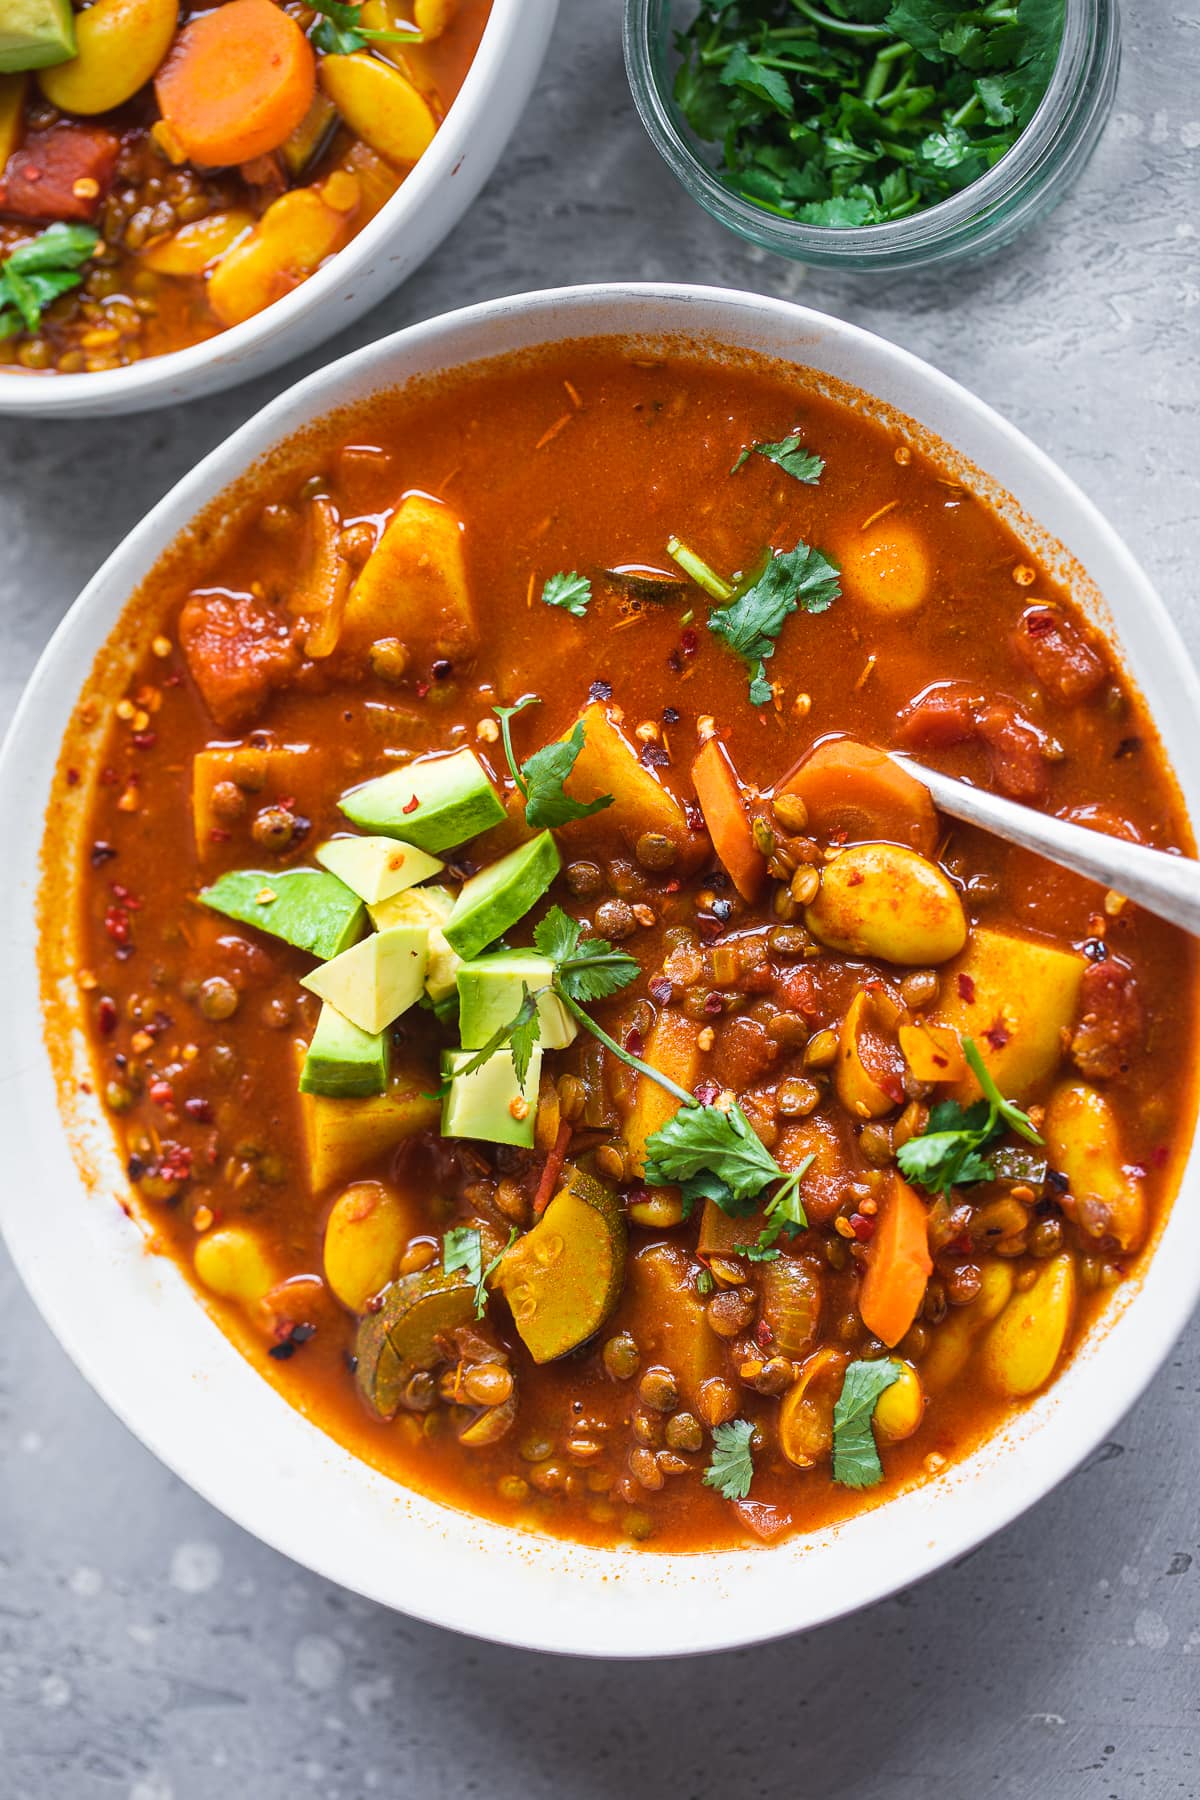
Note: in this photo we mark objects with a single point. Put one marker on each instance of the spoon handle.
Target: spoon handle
(1164, 883)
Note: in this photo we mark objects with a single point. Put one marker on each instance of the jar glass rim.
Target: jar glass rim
(992, 193)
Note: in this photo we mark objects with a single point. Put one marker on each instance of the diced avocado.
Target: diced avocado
(405, 1335)
(563, 1278)
(376, 868)
(491, 1104)
(377, 979)
(489, 995)
(344, 1060)
(306, 907)
(36, 34)
(344, 1137)
(431, 907)
(501, 894)
(434, 804)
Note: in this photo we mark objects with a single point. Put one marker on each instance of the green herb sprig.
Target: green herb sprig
(952, 1151)
(541, 781)
(856, 1461)
(855, 112)
(573, 592)
(753, 611)
(34, 275)
(462, 1248)
(340, 31)
(731, 1467)
(789, 455)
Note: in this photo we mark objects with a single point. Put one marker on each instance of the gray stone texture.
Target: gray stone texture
(149, 1650)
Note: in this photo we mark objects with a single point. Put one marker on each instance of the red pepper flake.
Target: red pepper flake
(286, 803)
(855, 878)
(1158, 1156)
(412, 805)
(763, 1334)
(218, 834)
(966, 989)
(162, 1093)
(713, 1004)
(862, 1227)
(422, 689)
(893, 1087)
(117, 924)
(964, 1245)
(671, 887)
(125, 895)
(109, 777)
(695, 818)
(708, 926)
(660, 989)
(707, 1093)
(106, 1016)
(634, 1043)
(72, 777)
(997, 1034)
(175, 1162)
(200, 1110)
(1040, 625)
(144, 740)
(174, 679)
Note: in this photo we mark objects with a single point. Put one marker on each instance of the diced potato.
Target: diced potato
(932, 1052)
(120, 44)
(673, 1049)
(1017, 998)
(231, 1262)
(380, 105)
(413, 586)
(342, 1137)
(1022, 1348)
(884, 900)
(291, 240)
(259, 775)
(1083, 1139)
(609, 764)
(668, 1318)
(365, 1236)
(887, 567)
(954, 1338)
(191, 249)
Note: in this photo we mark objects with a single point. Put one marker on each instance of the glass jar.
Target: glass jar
(1022, 187)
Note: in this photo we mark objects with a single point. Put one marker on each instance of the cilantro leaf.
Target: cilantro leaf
(462, 1248)
(856, 1461)
(547, 804)
(34, 274)
(785, 1215)
(519, 1036)
(506, 714)
(787, 580)
(742, 70)
(572, 592)
(340, 30)
(702, 1142)
(481, 1295)
(587, 971)
(789, 455)
(952, 1150)
(731, 1466)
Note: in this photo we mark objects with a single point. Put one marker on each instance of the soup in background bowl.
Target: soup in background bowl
(540, 1021)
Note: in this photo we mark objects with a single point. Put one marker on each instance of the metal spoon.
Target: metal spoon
(1160, 880)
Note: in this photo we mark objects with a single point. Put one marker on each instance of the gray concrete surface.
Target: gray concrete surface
(151, 1651)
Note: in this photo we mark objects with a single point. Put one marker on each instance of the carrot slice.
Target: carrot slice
(237, 83)
(856, 793)
(898, 1265)
(720, 795)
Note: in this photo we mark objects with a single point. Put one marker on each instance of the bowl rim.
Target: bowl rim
(667, 1604)
(52, 394)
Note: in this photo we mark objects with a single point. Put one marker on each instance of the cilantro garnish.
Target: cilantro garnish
(340, 30)
(572, 592)
(856, 1461)
(780, 582)
(583, 972)
(462, 1248)
(843, 121)
(951, 1151)
(731, 1467)
(713, 1154)
(785, 1215)
(519, 1036)
(541, 781)
(699, 571)
(789, 455)
(34, 275)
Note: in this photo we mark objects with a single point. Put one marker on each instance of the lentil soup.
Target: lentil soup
(176, 170)
(574, 1064)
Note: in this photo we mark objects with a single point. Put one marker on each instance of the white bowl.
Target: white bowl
(135, 1329)
(426, 205)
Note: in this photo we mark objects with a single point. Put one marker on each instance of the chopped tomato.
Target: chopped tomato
(1058, 654)
(1111, 1020)
(237, 652)
(62, 173)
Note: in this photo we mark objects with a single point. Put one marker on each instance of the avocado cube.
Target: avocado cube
(306, 907)
(344, 1060)
(430, 907)
(376, 868)
(490, 1103)
(436, 803)
(501, 894)
(377, 979)
(35, 34)
(489, 995)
